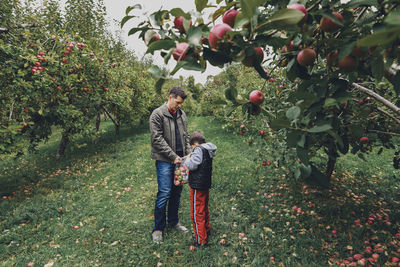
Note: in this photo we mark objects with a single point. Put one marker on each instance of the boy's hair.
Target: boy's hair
(197, 137)
(178, 91)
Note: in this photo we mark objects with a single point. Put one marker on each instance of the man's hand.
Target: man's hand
(178, 160)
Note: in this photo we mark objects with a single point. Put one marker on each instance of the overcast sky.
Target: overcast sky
(116, 11)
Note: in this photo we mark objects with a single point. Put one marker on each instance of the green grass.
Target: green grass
(89, 188)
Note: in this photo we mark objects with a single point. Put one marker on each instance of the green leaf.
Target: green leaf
(377, 66)
(156, 71)
(380, 37)
(194, 35)
(293, 113)
(130, 8)
(305, 170)
(200, 4)
(135, 30)
(330, 102)
(291, 138)
(302, 153)
(248, 7)
(357, 3)
(178, 66)
(346, 50)
(231, 93)
(320, 128)
(125, 19)
(219, 102)
(178, 12)
(283, 19)
(393, 18)
(159, 84)
(337, 137)
(161, 44)
(192, 64)
(278, 124)
(302, 141)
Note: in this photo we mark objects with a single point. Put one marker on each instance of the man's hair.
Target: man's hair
(177, 91)
(197, 137)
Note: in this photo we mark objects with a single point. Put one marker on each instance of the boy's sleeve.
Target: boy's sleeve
(195, 160)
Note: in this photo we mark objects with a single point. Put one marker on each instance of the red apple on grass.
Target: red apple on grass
(256, 97)
(217, 34)
(327, 24)
(364, 140)
(306, 57)
(230, 16)
(254, 59)
(180, 51)
(301, 8)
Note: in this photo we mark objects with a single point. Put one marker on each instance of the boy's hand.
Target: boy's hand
(177, 160)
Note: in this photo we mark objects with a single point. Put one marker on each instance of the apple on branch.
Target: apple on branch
(230, 17)
(328, 25)
(255, 58)
(256, 97)
(217, 34)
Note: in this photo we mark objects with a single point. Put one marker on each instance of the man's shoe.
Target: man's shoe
(157, 237)
(180, 227)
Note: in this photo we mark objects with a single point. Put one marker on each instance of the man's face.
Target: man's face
(175, 103)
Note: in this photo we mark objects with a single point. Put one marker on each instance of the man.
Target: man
(169, 142)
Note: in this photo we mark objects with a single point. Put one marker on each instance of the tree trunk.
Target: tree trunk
(330, 167)
(62, 146)
(117, 126)
(97, 122)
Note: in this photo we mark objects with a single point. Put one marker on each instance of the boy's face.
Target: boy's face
(194, 145)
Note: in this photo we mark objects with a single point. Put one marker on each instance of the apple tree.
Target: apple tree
(345, 56)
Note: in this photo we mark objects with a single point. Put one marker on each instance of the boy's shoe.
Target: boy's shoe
(180, 227)
(157, 237)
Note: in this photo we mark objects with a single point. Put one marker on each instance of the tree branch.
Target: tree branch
(388, 114)
(379, 98)
(314, 5)
(382, 132)
(109, 115)
(16, 27)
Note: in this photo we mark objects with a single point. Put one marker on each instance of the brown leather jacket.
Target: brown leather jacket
(162, 130)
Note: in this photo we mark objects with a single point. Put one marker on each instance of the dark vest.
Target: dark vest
(178, 141)
(201, 177)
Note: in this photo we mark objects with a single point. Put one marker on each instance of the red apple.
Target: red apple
(65, 61)
(348, 64)
(256, 97)
(180, 51)
(222, 242)
(26, 110)
(254, 59)
(192, 248)
(301, 8)
(271, 80)
(364, 140)
(75, 227)
(101, 59)
(230, 16)
(91, 54)
(178, 23)
(242, 126)
(306, 57)
(327, 24)
(332, 58)
(268, 162)
(262, 132)
(264, 163)
(217, 33)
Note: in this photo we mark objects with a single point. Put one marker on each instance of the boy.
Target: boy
(200, 167)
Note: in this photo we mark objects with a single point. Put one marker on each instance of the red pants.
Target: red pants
(200, 214)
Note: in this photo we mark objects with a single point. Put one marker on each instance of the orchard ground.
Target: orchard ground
(95, 207)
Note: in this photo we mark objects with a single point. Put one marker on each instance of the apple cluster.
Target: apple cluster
(181, 175)
(37, 68)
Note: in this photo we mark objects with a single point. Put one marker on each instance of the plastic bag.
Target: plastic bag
(181, 174)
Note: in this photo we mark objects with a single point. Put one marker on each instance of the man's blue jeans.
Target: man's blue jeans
(169, 193)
